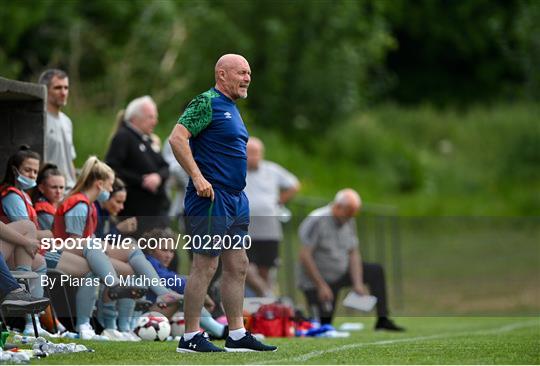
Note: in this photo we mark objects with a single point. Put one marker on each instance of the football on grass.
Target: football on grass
(153, 327)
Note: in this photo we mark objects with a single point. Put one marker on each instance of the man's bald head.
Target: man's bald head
(346, 204)
(233, 75)
(228, 61)
(348, 197)
(255, 153)
(255, 143)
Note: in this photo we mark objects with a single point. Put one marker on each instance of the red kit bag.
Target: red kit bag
(273, 320)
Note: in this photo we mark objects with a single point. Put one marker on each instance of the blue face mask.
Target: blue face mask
(103, 196)
(25, 182)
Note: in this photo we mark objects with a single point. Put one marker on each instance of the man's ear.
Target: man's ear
(221, 74)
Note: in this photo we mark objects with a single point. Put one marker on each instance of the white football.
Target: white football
(153, 327)
(178, 324)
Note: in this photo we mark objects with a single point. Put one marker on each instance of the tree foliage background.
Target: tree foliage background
(429, 104)
(314, 62)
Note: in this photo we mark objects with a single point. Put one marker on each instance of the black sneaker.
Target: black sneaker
(199, 343)
(22, 300)
(248, 343)
(387, 324)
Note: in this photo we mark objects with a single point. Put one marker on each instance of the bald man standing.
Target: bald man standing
(209, 142)
(268, 186)
(330, 260)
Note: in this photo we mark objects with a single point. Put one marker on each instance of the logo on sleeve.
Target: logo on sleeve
(228, 115)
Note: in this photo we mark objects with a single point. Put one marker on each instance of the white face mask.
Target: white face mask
(24, 182)
(103, 196)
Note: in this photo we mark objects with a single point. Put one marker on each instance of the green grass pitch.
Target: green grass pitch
(428, 340)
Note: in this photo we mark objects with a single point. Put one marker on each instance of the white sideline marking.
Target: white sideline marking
(310, 355)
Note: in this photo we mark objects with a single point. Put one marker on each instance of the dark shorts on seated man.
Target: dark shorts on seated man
(225, 220)
(264, 253)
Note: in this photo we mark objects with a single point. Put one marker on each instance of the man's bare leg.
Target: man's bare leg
(235, 266)
(203, 269)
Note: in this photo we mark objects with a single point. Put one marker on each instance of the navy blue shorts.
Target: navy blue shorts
(218, 225)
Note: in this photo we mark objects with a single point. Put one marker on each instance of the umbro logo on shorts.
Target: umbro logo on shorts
(228, 115)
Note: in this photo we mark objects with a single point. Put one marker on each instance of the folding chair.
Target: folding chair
(23, 277)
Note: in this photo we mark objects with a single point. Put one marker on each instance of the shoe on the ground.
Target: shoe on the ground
(114, 335)
(247, 343)
(199, 343)
(387, 324)
(29, 331)
(61, 328)
(69, 335)
(131, 336)
(21, 299)
(86, 332)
